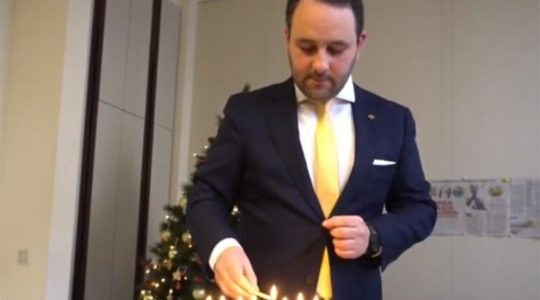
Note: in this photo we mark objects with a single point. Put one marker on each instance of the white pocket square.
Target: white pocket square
(382, 162)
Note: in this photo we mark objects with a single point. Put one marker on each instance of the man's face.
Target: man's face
(323, 48)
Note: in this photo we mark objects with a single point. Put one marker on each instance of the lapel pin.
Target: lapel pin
(371, 117)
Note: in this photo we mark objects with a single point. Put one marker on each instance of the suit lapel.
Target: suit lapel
(282, 119)
(362, 108)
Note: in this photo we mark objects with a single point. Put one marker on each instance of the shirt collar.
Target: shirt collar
(346, 93)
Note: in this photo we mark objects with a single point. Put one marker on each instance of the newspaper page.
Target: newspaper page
(525, 207)
(449, 196)
(487, 207)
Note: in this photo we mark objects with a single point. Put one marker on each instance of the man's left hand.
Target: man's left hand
(350, 235)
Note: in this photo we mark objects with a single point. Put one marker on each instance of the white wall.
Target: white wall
(67, 171)
(30, 122)
(70, 135)
(470, 72)
(5, 36)
(474, 91)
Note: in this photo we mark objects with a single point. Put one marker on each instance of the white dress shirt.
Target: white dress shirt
(342, 122)
(340, 111)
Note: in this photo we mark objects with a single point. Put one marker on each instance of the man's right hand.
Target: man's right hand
(234, 274)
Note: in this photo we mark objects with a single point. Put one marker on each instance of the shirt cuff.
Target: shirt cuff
(219, 248)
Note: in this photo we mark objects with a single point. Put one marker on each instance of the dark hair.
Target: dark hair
(356, 6)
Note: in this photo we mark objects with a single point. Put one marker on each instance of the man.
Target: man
(311, 162)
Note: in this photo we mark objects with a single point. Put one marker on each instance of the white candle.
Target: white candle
(273, 292)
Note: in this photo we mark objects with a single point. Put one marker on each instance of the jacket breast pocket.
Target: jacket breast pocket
(381, 174)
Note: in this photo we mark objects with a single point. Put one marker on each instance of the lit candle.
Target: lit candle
(300, 296)
(273, 292)
(208, 297)
(284, 298)
(222, 297)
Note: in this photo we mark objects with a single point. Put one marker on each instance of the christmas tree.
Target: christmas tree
(176, 272)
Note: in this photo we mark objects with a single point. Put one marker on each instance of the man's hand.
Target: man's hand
(234, 274)
(350, 235)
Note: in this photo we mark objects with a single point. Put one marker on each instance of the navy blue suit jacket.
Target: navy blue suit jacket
(257, 163)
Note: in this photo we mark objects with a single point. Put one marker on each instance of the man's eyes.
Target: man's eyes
(307, 48)
(336, 50)
(332, 50)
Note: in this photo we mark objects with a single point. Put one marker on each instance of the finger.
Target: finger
(247, 287)
(234, 286)
(349, 232)
(224, 285)
(342, 232)
(348, 254)
(248, 281)
(349, 248)
(224, 279)
(228, 279)
(344, 245)
(243, 286)
(250, 275)
(342, 221)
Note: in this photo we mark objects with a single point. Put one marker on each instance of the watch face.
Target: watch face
(374, 246)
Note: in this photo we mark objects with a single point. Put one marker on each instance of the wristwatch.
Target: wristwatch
(374, 248)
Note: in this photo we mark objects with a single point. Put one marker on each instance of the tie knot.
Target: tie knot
(321, 108)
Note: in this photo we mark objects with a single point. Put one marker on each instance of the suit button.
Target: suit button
(310, 280)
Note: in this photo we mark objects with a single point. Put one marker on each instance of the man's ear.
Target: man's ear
(286, 35)
(362, 40)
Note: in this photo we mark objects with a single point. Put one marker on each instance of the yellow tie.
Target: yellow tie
(326, 184)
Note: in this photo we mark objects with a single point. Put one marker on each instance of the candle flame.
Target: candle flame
(300, 296)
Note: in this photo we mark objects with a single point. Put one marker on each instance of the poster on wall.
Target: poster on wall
(478, 207)
(449, 196)
(487, 207)
(525, 207)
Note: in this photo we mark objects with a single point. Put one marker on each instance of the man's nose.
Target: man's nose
(321, 62)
